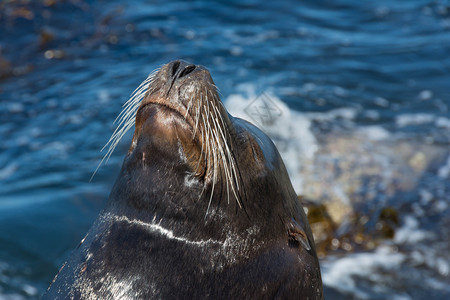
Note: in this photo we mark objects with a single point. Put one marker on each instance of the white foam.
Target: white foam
(340, 91)
(422, 118)
(347, 113)
(12, 297)
(383, 265)
(443, 122)
(340, 193)
(443, 266)
(374, 133)
(414, 119)
(381, 102)
(441, 205)
(16, 107)
(343, 273)
(8, 170)
(425, 196)
(6, 280)
(426, 95)
(372, 114)
(410, 233)
(104, 96)
(30, 290)
(290, 130)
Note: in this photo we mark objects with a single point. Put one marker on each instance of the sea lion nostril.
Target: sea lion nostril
(175, 67)
(188, 69)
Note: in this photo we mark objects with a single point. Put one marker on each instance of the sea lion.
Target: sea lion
(203, 207)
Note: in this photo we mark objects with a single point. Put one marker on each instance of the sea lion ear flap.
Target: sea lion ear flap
(297, 234)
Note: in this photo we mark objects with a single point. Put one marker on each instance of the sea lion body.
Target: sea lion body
(203, 208)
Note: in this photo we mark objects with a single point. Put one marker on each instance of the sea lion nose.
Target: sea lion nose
(181, 68)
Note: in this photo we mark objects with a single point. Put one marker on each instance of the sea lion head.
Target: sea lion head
(195, 162)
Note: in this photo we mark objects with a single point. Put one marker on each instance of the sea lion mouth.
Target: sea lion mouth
(172, 109)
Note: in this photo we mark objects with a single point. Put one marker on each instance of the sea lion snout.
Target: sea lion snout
(177, 73)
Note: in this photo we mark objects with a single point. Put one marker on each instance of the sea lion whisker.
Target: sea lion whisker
(137, 95)
(123, 120)
(210, 141)
(197, 116)
(214, 145)
(220, 149)
(216, 88)
(206, 113)
(226, 160)
(236, 172)
(201, 154)
(188, 107)
(230, 158)
(130, 108)
(118, 137)
(127, 118)
(221, 104)
(207, 144)
(214, 163)
(206, 151)
(230, 170)
(113, 144)
(139, 91)
(216, 128)
(149, 78)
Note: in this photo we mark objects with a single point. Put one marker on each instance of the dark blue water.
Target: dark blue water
(369, 80)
